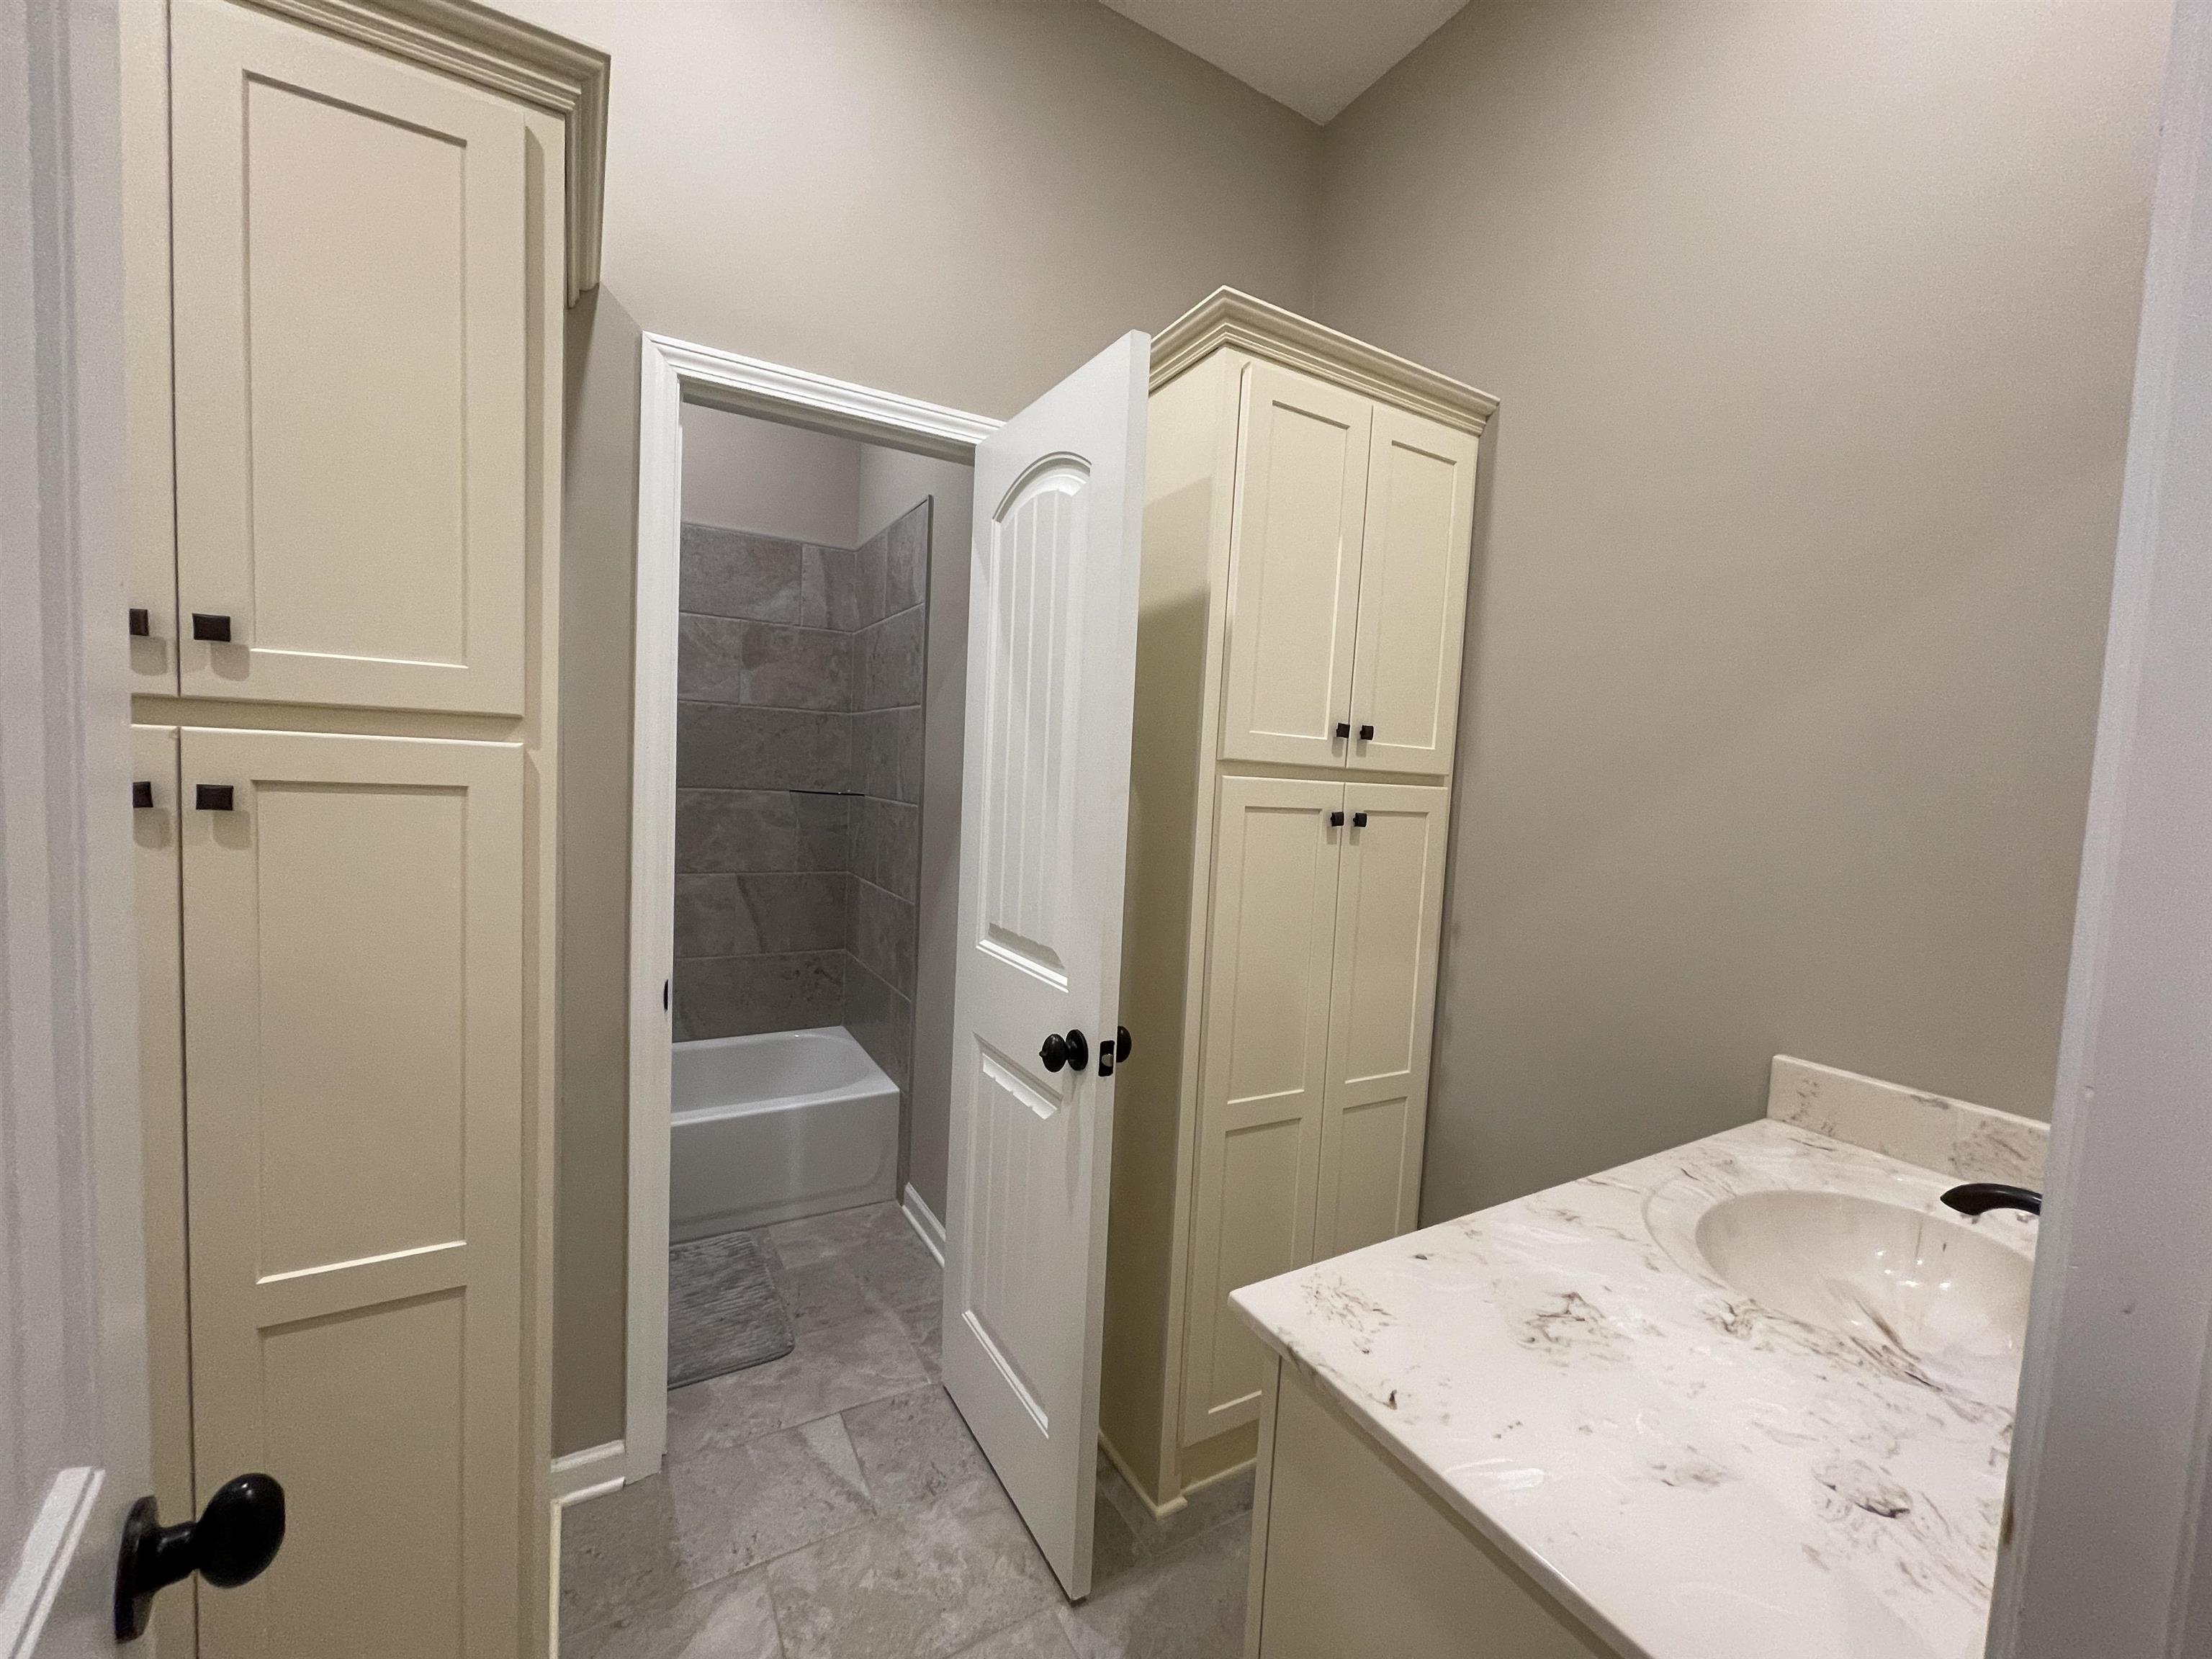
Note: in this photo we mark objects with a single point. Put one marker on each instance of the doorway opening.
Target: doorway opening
(801, 615)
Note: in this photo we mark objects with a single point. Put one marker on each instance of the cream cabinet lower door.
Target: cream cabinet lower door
(1261, 1074)
(353, 1010)
(1382, 1005)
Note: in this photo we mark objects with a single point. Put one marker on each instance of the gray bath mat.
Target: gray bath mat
(723, 1313)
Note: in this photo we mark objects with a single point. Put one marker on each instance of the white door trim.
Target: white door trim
(673, 372)
(2109, 1546)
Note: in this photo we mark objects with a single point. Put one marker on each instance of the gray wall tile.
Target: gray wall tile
(762, 830)
(729, 572)
(906, 559)
(887, 845)
(876, 736)
(724, 660)
(887, 662)
(706, 915)
(869, 560)
(830, 596)
(785, 912)
(728, 746)
(734, 996)
(882, 935)
(909, 759)
(795, 906)
(881, 1021)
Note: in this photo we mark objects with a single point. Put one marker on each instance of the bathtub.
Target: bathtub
(775, 1126)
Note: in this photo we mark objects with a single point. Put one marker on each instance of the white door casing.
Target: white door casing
(73, 1402)
(1051, 667)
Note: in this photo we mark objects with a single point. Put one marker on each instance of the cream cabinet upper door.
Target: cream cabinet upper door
(1382, 1007)
(1294, 569)
(353, 1057)
(350, 298)
(1412, 594)
(1261, 1074)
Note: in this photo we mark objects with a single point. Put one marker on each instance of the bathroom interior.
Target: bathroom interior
(1169, 829)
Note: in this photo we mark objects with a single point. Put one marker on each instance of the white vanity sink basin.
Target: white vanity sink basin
(1934, 1288)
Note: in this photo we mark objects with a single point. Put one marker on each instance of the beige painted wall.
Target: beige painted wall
(962, 202)
(1814, 325)
(599, 532)
(770, 478)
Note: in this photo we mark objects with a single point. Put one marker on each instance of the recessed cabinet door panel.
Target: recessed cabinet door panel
(350, 268)
(1412, 593)
(1389, 909)
(1294, 569)
(353, 999)
(1261, 1076)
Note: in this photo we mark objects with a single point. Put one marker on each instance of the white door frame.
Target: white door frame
(2110, 1548)
(75, 1439)
(673, 373)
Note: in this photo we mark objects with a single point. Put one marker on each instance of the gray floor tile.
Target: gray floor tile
(618, 1557)
(1208, 1508)
(1037, 1636)
(913, 1448)
(824, 1293)
(737, 1506)
(898, 1269)
(731, 1618)
(1112, 1545)
(830, 1368)
(798, 1242)
(925, 1328)
(1187, 1604)
(919, 1585)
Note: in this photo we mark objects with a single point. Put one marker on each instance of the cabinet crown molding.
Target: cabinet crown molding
(504, 55)
(1227, 317)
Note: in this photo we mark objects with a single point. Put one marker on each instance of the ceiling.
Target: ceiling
(1315, 56)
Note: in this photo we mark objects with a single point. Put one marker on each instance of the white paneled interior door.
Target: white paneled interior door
(1261, 1074)
(353, 999)
(1382, 1007)
(1414, 556)
(1294, 569)
(1051, 672)
(352, 282)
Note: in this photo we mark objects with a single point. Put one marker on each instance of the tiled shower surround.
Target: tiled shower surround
(798, 785)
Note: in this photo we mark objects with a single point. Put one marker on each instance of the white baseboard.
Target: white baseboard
(924, 1221)
(589, 1472)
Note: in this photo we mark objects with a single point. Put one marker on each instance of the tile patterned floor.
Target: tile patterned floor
(831, 1505)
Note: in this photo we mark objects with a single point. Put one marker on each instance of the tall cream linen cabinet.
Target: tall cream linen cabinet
(345, 269)
(1310, 506)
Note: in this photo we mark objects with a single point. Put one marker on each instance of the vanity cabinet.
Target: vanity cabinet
(1307, 533)
(349, 229)
(1352, 1554)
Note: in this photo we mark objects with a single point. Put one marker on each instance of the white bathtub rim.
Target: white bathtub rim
(873, 1081)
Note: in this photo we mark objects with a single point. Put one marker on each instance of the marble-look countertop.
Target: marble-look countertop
(1694, 1476)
